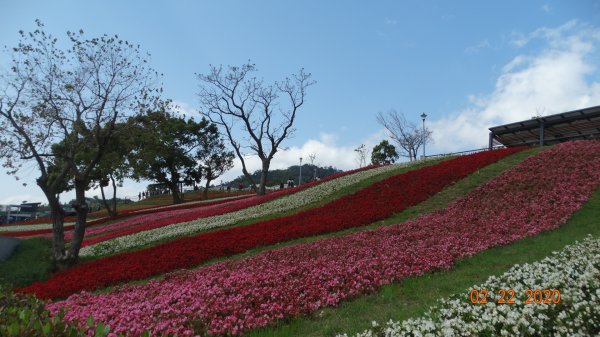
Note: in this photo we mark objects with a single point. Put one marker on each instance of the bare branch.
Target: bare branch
(258, 108)
(408, 136)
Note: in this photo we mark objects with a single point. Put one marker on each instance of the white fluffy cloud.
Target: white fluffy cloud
(557, 79)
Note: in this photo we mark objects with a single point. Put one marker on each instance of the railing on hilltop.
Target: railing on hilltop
(462, 153)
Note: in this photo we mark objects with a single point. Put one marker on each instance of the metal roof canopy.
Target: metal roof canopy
(549, 130)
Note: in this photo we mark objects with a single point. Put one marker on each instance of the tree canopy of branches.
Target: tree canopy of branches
(111, 169)
(169, 147)
(384, 153)
(233, 98)
(72, 96)
(114, 166)
(407, 135)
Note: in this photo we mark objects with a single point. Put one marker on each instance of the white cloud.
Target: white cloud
(546, 8)
(390, 22)
(557, 79)
(184, 109)
(554, 36)
(483, 44)
(18, 199)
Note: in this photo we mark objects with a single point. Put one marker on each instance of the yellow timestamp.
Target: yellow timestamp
(507, 296)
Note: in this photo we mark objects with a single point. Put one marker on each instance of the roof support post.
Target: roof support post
(491, 141)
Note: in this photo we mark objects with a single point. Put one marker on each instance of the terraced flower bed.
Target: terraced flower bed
(177, 226)
(232, 296)
(183, 212)
(378, 201)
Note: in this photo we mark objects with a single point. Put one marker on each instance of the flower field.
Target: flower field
(181, 212)
(250, 208)
(375, 202)
(45, 227)
(574, 271)
(232, 296)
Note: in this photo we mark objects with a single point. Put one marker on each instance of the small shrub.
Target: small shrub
(24, 315)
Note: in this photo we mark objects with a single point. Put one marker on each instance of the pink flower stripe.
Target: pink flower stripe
(376, 202)
(232, 296)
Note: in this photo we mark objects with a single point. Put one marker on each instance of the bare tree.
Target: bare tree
(58, 110)
(232, 97)
(362, 153)
(406, 134)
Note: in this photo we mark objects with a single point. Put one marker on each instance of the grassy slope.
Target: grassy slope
(414, 295)
(30, 262)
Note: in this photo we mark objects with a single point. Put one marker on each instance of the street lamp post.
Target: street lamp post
(300, 178)
(423, 116)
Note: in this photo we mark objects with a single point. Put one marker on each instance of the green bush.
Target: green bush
(25, 316)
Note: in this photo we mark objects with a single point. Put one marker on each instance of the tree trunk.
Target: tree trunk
(177, 199)
(205, 193)
(58, 217)
(263, 177)
(173, 185)
(114, 197)
(58, 237)
(112, 211)
(81, 207)
(249, 177)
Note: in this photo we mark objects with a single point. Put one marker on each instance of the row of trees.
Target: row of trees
(92, 114)
(407, 135)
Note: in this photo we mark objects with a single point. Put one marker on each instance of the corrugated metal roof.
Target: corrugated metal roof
(571, 125)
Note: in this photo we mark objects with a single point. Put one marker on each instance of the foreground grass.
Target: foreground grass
(31, 261)
(415, 295)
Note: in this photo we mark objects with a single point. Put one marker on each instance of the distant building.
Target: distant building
(15, 213)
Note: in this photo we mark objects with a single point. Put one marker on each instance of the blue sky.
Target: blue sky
(468, 64)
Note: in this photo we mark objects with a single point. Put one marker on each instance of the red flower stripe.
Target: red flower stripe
(373, 203)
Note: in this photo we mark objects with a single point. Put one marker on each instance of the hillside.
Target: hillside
(275, 177)
(335, 255)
